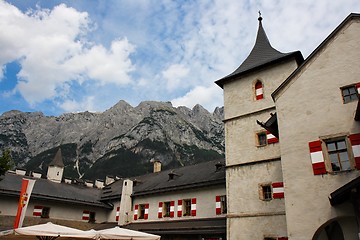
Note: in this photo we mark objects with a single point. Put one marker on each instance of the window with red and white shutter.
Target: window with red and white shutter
(117, 214)
(317, 157)
(160, 210)
(355, 146)
(259, 90)
(37, 211)
(86, 215)
(271, 138)
(278, 189)
(179, 208)
(136, 211)
(172, 209)
(193, 207)
(146, 212)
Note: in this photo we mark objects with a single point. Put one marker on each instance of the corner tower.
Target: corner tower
(56, 168)
(255, 190)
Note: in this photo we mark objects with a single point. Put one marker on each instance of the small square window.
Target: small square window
(338, 155)
(349, 94)
(265, 192)
(187, 207)
(45, 212)
(223, 204)
(166, 209)
(261, 139)
(141, 211)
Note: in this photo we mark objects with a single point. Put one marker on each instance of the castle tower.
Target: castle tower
(56, 168)
(256, 207)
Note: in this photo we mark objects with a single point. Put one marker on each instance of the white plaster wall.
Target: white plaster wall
(309, 107)
(256, 228)
(248, 165)
(205, 203)
(239, 96)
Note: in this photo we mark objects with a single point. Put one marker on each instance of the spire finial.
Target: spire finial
(260, 18)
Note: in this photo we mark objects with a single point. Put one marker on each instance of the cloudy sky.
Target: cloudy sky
(71, 56)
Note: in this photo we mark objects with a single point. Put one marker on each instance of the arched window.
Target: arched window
(259, 90)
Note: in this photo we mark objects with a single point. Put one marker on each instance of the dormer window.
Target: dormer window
(259, 90)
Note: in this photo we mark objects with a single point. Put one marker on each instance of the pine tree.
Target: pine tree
(6, 162)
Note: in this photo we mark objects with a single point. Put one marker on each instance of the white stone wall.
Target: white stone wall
(249, 165)
(311, 107)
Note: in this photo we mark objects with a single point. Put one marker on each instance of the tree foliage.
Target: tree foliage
(6, 162)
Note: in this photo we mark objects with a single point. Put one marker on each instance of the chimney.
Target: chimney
(99, 183)
(157, 166)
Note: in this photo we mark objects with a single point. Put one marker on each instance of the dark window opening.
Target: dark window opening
(338, 155)
(349, 94)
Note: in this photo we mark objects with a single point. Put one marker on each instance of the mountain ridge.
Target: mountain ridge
(97, 144)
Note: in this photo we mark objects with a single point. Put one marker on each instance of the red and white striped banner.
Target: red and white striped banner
(25, 193)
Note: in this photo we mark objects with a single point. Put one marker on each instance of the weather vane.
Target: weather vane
(260, 18)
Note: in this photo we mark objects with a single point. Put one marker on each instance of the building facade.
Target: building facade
(279, 110)
(182, 203)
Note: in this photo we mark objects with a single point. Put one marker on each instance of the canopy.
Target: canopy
(125, 234)
(51, 231)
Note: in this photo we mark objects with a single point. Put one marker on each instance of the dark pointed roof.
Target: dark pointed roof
(260, 56)
(57, 161)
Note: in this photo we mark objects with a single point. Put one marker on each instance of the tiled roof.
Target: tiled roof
(194, 176)
(48, 190)
(260, 56)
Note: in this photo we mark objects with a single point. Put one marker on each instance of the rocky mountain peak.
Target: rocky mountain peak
(98, 144)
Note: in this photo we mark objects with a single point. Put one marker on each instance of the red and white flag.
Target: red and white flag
(26, 189)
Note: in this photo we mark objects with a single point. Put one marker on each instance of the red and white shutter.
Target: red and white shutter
(278, 189)
(136, 210)
(117, 214)
(358, 87)
(172, 209)
(146, 215)
(259, 91)
(355, 145)
(193, 207)
(317, 157)
(37, 211)
(218, 205)
(160, 210)
(271, 138)
(179, 208)
(86, 215)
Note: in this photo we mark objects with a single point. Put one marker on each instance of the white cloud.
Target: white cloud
(208, 97)
(52, 50)
(174, 75)
(182, 47)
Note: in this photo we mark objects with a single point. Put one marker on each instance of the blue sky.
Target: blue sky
(71, 56)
